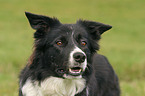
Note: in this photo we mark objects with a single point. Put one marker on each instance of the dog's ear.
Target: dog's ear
(95, 28)
(40, 21)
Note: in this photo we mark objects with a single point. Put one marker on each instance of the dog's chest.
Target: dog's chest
(54, 86)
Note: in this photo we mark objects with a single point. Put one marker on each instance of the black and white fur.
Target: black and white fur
(64, 61)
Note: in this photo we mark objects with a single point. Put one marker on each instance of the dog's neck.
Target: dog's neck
(54, 86)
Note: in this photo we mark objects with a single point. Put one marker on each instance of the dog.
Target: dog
(65, 61)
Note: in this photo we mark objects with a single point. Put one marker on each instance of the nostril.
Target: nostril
(79, 57)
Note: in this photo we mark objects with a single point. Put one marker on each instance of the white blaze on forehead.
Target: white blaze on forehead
(76, 50)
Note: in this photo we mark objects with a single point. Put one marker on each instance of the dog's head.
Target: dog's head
(64, 50)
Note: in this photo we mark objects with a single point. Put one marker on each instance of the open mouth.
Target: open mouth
(75, 71)
(72, 71)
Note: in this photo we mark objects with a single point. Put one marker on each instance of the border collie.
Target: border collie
(65, 62)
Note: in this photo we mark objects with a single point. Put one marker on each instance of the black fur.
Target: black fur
(48, 57)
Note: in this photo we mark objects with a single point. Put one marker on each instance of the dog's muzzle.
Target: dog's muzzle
(76, 65)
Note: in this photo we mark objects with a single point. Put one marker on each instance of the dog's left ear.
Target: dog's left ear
(95, 28)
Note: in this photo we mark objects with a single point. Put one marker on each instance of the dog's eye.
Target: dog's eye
(83, 43)
(59, 43)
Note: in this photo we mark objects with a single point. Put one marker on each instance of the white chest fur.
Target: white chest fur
(54, 86)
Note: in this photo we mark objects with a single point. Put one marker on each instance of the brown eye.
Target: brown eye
(83, 43)
(59, 43)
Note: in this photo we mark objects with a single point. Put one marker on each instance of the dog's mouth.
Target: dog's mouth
(75, 71)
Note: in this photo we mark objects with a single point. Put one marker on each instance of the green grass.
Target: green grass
(124, 45)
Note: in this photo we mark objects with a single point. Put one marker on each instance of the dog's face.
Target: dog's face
(65, 49)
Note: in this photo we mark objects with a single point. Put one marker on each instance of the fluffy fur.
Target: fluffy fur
(59, 87)
(65, 62)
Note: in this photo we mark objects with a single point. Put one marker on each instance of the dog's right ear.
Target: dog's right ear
(41, 22)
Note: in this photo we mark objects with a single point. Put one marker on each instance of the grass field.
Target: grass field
(124, 45)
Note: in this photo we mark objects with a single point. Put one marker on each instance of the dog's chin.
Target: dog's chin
(68, 76)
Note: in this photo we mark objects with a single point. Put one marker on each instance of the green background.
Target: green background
(124, 44)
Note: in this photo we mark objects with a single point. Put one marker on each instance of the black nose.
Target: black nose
(79, 57)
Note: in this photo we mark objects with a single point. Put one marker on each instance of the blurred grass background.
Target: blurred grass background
(124, 44)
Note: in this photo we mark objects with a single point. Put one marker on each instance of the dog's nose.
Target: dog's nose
(79, 57)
